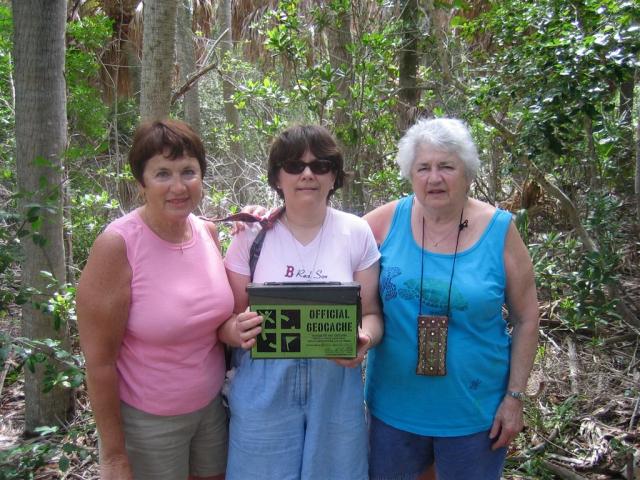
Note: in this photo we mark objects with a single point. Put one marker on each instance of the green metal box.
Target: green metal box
(306, 320)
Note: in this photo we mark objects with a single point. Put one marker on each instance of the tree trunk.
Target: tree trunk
(230, 112)
(625, 109)
(338, 39)
(121, 78)
(186, 55)
(637, 177)
(158, 40)
(592, 168)
(495, 184)
(408, 68)
(441, 28)
(626, 148)
(439, 21)
(41, 136)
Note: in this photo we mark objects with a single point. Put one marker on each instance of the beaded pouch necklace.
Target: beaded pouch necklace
(432, 329)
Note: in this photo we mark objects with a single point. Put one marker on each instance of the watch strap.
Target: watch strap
(515, 394)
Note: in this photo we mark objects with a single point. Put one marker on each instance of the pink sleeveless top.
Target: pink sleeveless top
(170, 360)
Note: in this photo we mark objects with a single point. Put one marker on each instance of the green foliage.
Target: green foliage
(547, 416)
(90, 214)
(7, 117)
(23, 461)
(61, 303)
(550, 71)
(561, 416)
(261, 100)
(531, 468)
(86, 110)
(10, 255)
(385, 185)
(53, 446)
(304, 86)
(372, 101)
(522, 223)
(92, 172)
(575, 282)
(285, 37)
(551, 75)
(91, 204)
(62, 368)
(16, 229)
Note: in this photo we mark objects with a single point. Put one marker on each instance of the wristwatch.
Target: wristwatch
(516, 395)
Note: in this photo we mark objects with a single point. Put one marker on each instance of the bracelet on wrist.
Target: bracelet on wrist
(515, 394)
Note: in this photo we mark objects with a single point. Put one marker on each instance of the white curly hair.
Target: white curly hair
(445, 134)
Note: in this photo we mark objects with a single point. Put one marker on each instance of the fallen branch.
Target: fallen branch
(627, 337)
(562, 472)
(573, 365)
(573, 461)
(633, 415)
(5, 370)
(632, 467)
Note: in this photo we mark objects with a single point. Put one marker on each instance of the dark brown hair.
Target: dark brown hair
(292, 144)
(171, 137)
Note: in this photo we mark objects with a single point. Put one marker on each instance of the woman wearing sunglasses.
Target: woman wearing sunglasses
(302, 418)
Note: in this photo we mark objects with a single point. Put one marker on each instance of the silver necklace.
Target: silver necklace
(307, 273)
(185, 235)
(435, 243)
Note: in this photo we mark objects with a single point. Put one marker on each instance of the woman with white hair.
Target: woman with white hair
(446, 384)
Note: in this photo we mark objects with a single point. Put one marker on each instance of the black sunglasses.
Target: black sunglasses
(319, 166)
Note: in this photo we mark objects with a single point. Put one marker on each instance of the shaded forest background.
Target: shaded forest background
(548, 88)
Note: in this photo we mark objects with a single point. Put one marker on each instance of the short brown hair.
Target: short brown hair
(292, 144)
(157, 137)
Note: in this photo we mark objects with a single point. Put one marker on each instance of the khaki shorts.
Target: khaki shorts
(174, 447)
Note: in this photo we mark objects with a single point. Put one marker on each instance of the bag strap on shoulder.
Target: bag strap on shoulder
(265, 222)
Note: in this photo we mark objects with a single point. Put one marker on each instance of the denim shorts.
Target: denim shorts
(297, 419)
(176, 446)
(399, 455)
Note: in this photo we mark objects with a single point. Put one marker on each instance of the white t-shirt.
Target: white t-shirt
(343, 246)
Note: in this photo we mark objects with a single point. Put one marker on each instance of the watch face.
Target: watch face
(518, 395)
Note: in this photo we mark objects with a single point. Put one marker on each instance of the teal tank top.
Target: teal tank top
(465, 400)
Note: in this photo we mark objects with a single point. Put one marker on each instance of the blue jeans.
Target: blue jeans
(296, 419)
(400, 455)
